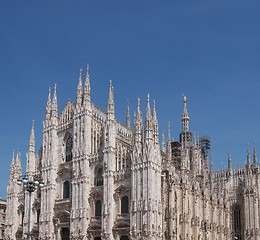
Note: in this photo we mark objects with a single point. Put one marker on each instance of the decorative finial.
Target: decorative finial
(80, 71)
(87, 67)
(148, 97)
(184, 98)
(110, 83)
(138, 102)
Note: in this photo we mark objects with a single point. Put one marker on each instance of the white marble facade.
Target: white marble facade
(104, 180)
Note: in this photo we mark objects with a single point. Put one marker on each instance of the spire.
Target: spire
(18, 167)
(211, 165)
(138, 124)
(128, 116)
(169, 132)
(185, 116)
(12, 167)
(169, 148)
(155, 124)
(87, 87)
(148, 110)
(148, 122)
(13, 159)
(54, 106)
(163, 143)
(194, 139)
(32, 140)
(110, 104)
(154, 111)
(138, 113)
(79, 90)
(255, 157)
(48, 106)
(229, 160)
(248, 156)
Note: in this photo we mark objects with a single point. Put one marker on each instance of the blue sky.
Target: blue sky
(208, 50)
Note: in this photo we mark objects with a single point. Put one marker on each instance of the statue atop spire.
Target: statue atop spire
(185, 116)
(185, 135)
(80, 90)
(128, 116)
(87, 87)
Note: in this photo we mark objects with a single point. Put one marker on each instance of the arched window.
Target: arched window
(66, 189)
(124, 205)
(97, 238)
(98, 208)
(237, 222)
(99, 177)
(69, 145)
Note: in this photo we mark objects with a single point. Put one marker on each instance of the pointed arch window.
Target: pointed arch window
(124, 205)
(98, 208)
(66, 189)
(69, 146)
(237, 222)
(99, 177)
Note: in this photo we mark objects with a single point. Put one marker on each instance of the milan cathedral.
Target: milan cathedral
(104, 180)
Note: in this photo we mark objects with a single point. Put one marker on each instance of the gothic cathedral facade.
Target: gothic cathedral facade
(105, 180)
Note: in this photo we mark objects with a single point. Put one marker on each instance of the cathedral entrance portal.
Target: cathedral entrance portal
(65, 234)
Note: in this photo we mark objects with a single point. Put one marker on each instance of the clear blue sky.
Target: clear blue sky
(208, 50)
